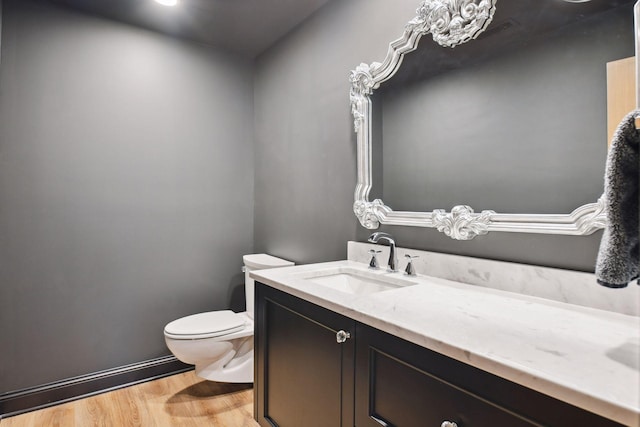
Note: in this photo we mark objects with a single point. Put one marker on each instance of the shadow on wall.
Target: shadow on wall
(236, 295)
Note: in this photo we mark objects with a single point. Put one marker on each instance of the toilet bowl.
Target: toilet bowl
(220, 343)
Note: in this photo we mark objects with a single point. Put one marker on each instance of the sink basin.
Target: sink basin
(354, 281)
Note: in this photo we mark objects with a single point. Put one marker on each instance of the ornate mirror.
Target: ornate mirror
(457, 108)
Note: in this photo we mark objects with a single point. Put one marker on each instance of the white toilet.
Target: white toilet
(220, 343)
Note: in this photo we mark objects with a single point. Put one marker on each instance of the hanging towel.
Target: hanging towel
(617, 263)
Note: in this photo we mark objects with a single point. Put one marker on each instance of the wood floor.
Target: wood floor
(178, 400)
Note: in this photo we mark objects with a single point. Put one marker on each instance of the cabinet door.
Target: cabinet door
(404, 385)
(304, 377)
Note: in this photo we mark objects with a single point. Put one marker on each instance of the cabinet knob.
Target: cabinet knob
(342, 336)
(448, 424)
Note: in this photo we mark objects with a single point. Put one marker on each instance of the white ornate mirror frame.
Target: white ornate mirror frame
(451, 22)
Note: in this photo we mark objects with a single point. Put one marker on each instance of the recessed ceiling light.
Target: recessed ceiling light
(168, 2)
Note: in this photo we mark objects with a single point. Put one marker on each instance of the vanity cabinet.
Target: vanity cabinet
(303, 375)
(304, 378)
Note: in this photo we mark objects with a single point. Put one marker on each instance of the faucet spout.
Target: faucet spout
(393, 259)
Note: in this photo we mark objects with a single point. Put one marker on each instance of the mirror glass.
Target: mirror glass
(514, 121)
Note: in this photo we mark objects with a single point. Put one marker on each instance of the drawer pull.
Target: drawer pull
(342, 336)
(448, 424)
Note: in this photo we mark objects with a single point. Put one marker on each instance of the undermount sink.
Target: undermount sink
(354, 281)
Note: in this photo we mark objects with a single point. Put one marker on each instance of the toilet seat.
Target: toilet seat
(205, 325)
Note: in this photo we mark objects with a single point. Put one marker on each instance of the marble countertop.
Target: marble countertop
(586, 357)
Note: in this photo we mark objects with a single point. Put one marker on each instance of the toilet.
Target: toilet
(220, 343)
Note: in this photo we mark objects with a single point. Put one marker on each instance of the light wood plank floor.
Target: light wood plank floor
(179, 400)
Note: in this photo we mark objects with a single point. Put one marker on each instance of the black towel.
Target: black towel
(617, 263)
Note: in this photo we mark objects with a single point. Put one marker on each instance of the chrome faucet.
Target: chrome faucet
(393, 259)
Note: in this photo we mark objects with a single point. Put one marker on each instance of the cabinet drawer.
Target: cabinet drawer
(404, 396)
(400, 384)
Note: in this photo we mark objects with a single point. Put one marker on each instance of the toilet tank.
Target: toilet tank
(258, 262)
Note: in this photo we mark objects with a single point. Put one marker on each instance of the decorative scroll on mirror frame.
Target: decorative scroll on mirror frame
(450, 22)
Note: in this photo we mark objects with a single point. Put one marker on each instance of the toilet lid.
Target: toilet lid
(204, 325)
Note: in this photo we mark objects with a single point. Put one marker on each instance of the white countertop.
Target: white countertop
(586, 357)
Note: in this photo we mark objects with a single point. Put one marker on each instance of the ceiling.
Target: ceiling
(246, 27)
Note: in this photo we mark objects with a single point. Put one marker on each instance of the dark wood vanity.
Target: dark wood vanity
(305, 378)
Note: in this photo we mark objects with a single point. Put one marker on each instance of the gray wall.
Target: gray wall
(305, 146)
(126, 190)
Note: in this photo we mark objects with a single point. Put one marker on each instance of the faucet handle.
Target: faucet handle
(373, 264)
(410, 269)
